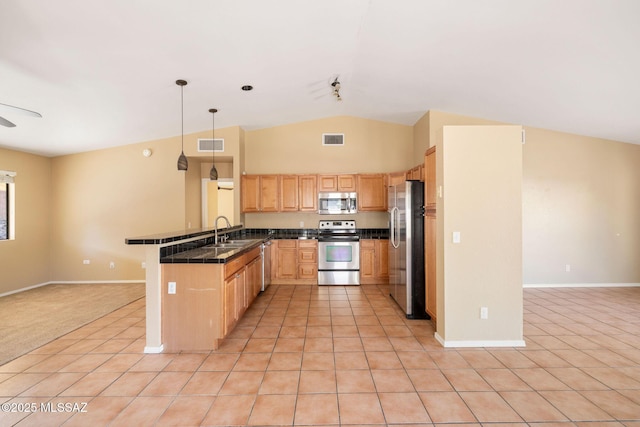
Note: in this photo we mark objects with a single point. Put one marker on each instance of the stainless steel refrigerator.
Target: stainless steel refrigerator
(406, 248)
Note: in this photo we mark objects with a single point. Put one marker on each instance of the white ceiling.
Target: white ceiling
(102, 72)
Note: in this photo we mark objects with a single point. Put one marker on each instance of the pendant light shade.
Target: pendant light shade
(213, 173)
(183, 164)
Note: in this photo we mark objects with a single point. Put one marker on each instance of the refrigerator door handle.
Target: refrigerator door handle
(394, 227)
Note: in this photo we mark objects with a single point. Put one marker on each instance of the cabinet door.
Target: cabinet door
(382, 260)
(253, 279)
(269, 193)
(286, 257)
(347, 183)
(430, 177)
(327, 183)
(372, 192)
(250, 193)
(241, 294)
(288, 193)
(308, 193)
(229, 305)
(430, 264)
(308, 271)
(367, 261)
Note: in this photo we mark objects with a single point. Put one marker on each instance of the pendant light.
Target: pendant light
(183, 164)
(213, 173)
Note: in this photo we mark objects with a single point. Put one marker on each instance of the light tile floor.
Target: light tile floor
(308, 355)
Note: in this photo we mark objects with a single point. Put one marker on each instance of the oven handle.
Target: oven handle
(393, 222)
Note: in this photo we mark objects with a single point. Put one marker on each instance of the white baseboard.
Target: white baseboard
(490, 343)
(73, 282)
(154, 350)
(580, 285)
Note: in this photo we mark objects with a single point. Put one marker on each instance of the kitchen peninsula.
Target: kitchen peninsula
(197, 289)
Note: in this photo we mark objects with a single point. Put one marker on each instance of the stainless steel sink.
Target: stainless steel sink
(235, 243)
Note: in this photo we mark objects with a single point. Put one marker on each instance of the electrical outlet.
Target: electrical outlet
(567, 268)
(112, 265)
(301, 224)
(484, 313)
(143, 264)
(172, 288)
(86, 261)
(456, 237)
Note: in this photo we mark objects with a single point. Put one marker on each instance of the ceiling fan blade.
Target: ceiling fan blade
(7, 123)
(5, 108)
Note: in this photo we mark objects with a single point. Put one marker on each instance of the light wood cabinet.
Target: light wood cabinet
(208, 302)
(430, 177)
(416, 173)
(430, 223)
(345, 183)
(308, 259)
(308, 193)
(374, 261)
(372, 192)
(295, 261)
(430, 264)
(284, 259)
(260, 193)
(289, 193)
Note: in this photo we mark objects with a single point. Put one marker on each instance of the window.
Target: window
(7, 225)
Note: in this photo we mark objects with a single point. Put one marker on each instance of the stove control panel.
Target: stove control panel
(337, 225)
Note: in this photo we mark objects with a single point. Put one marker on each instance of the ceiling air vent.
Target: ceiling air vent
(333, 139)
(209, 145)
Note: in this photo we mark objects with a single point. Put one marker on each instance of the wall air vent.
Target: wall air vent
(333, 139)
(209, 145)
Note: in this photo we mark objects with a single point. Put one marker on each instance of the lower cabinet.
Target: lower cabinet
(374, 261)
(295, 261)
(209, 301)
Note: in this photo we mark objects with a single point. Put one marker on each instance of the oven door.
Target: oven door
(338, 255)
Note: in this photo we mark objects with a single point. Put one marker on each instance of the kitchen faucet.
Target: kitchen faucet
(215, 241)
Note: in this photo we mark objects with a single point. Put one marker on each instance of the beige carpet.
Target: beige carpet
(35, 317)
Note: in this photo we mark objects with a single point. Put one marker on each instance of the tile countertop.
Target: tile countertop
(200, 251)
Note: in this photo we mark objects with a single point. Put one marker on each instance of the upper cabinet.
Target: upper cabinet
(342, 183)
(430, 177)
(299, 193)
(289, 193)
(308, 193)
(260, 193)
(372, 192)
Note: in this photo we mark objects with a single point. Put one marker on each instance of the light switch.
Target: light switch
(172, 288)
(456, 237)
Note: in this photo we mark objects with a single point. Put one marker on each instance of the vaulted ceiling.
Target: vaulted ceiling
(102, 72)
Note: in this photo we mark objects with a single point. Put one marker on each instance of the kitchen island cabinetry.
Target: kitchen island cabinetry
(209, 300)
(295, 261)
(372, 192)
(260, 193)
(374, 261)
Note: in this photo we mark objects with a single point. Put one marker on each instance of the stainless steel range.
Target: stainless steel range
(338, 253)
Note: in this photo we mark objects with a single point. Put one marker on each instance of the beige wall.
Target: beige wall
(102, 197)
(481, 180)
(24, 262)
(581, 208)
(370, 147)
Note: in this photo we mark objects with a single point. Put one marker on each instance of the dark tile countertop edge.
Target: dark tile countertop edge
(276, 233)
(200, 251)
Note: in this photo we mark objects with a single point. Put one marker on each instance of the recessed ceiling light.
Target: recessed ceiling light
(247, 88)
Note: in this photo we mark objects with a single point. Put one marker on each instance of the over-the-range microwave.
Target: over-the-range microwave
(337, 203)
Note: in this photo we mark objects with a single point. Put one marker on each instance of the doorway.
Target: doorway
(217, 199)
